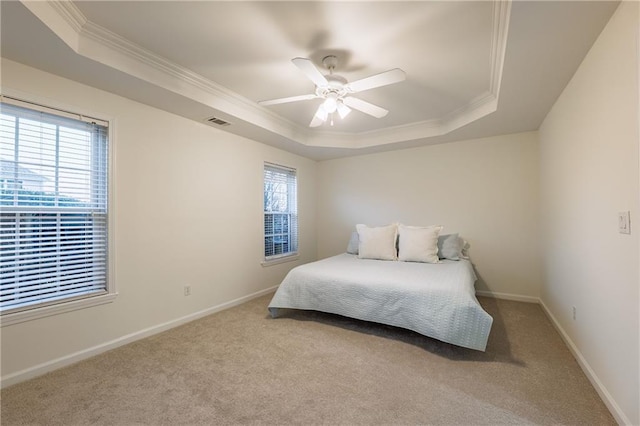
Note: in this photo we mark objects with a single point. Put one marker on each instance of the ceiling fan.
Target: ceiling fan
(336, 90)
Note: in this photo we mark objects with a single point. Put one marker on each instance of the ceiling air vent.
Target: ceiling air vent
(218, 121)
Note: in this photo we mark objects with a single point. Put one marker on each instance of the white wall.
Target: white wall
(589, 173)
(188, 210)
(202, 189)
(485, 189)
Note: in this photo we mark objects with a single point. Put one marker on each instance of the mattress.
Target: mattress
(436, 300)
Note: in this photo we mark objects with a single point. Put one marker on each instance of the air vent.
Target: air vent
(218, 121)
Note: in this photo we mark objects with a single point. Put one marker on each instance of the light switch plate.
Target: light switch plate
(624, 223)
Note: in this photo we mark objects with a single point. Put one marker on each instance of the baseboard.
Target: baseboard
(584, 365)
(55, 364)
(588, 371)
(64, 361)
(508, 296)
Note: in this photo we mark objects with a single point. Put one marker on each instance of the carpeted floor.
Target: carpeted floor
(240, 366)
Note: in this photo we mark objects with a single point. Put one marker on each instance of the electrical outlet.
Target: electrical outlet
(573, 312)
(187, 290)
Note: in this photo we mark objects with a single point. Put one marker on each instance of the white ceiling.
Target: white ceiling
(474, 69)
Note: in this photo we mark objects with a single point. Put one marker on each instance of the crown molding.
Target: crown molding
(70, 13)
(102, 45)
(59, 18)
(501, 15)
(479, 107)
(99, 44)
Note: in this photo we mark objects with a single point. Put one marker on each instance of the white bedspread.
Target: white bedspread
(436, 300)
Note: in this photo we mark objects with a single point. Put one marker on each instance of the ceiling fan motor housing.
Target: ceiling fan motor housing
(337, 86)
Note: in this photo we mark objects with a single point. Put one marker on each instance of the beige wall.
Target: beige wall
(188, 211)
(589, 173)
(485, 189)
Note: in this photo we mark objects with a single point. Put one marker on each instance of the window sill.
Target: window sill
(45, 311)
(279, 260)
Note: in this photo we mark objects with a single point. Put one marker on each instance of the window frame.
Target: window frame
(109, 295)
(289, 255)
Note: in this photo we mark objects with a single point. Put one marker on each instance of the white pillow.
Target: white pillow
(377, 243)
(418, 244)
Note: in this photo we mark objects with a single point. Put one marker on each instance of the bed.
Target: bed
(434, 299)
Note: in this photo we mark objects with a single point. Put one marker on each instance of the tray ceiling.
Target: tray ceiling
(473, 69)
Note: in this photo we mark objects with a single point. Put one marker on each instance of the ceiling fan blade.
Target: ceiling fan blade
(310, 70)
(384, 78)
(289, 99)
(366, 107)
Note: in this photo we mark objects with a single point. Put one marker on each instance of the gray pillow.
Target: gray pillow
(352, 248)
(450, 247)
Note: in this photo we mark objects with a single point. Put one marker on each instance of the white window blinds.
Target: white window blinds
(53, 207)
(280, 211)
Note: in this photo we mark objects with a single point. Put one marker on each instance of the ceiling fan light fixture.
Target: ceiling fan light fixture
(322, 113)
(331, 103)
(343, 110)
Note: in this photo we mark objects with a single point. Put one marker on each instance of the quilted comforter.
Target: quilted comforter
(436, 300)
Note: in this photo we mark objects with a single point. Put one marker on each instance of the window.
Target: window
(280, 212)
(53, 207)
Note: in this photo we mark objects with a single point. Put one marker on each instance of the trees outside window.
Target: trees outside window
(53, 208)
(280, 211)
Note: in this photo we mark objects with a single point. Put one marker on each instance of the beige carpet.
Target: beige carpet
(240, 366)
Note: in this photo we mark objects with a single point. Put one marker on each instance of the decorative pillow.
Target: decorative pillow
(464, 253)
(450, 247)
(352, 248)
(418, 244)
(377, 243)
